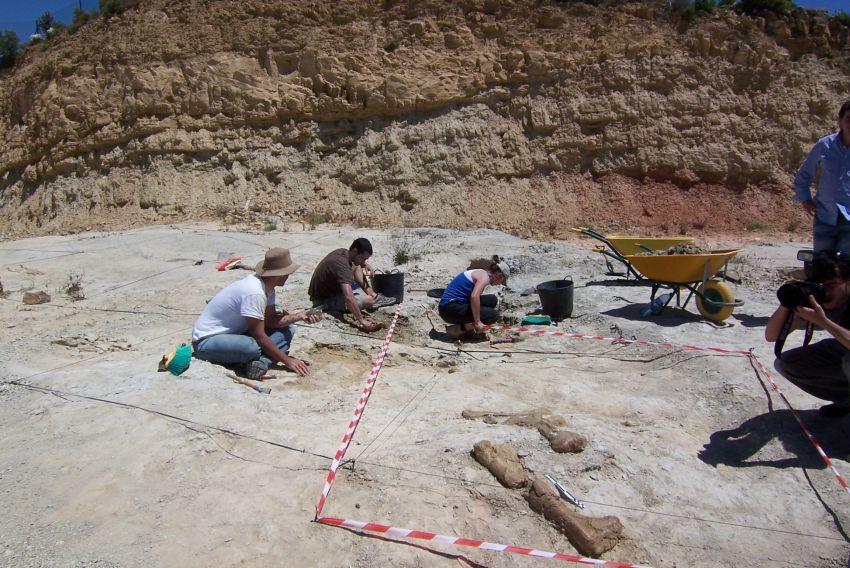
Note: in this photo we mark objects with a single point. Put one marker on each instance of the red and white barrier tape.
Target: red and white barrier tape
(480, 544)
(358, 412)
(558, 333)
(495, 547)
(737, 352)
(811, 437)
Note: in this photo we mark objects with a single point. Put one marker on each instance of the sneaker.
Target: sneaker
(833, 411)
(382, 301)
(254, 370)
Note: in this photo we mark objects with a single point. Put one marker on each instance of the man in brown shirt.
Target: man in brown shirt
(331, 287)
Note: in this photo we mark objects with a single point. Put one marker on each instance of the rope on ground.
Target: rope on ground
(20, 383)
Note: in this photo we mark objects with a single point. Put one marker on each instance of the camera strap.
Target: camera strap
(810, 331)
(786, 329)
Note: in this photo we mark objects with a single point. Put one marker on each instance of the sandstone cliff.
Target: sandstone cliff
(523, 115)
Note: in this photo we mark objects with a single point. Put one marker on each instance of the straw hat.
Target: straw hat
(503, 266)
(278, 262)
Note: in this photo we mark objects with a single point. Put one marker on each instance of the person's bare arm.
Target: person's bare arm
(817, 316)
(257, 330)
(276, 320)
(362, 277)
(481, 281)
(777, 320)
(354, 308)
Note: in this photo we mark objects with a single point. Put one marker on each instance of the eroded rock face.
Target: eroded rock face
(379, 112)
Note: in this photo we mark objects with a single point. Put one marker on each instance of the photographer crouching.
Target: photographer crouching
(821, 369)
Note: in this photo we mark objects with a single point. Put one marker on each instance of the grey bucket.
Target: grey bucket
(556, 297)
(390, 284)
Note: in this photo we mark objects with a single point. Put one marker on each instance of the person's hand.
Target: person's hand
(370, 326)
(311, 316)
(810, 207)
(815, 314)
(479, 328)
(297, 365)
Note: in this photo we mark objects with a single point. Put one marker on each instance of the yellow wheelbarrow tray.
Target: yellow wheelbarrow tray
(618, 247)
(695, 273)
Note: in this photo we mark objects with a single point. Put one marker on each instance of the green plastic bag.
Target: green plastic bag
(537, 320)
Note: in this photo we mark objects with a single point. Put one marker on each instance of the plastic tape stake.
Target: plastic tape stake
(480, 544)
(358, 412)
(802, 424)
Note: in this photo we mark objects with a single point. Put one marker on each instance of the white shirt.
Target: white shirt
(226, 312)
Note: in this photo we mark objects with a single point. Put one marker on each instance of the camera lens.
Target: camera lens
(793, 294)
(790, 295)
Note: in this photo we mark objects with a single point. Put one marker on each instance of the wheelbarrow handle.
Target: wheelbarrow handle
(589, 232)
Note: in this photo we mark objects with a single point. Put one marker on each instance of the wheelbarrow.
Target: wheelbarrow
(695, 273)
(618, 247)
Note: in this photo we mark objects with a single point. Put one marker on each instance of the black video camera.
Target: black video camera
(793, 294)
(797, 292)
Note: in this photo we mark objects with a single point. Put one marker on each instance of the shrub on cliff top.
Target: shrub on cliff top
(842, 18)
(755, 7)
(110, 7)
(690, 11)
(9, 46)
(45, 23)
(81, 17)
(706, 6)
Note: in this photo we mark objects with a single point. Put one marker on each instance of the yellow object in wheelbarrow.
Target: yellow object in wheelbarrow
(694, 272)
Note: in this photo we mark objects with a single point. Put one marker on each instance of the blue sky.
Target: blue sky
(20, 15)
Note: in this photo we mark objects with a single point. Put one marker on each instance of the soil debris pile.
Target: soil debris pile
(677, 249)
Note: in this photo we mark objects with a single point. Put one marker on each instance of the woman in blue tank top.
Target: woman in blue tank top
(463, 304)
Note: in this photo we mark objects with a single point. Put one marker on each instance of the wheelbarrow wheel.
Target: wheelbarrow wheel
(710, 298)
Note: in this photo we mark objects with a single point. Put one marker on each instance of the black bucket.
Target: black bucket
(390, 284)
(556, 297)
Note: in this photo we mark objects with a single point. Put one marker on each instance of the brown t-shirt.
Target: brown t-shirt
(332, 271)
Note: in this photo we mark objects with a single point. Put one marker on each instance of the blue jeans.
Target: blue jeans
(832, 237)
(229, 348)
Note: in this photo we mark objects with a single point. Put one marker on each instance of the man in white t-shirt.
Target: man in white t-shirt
(240, 325)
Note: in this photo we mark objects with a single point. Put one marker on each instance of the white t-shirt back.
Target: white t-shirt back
(227, 311)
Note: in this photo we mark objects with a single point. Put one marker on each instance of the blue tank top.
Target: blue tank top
(459, 289)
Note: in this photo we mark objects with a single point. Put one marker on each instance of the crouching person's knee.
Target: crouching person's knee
(845, 365)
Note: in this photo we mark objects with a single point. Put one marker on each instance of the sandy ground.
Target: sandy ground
(703, 465)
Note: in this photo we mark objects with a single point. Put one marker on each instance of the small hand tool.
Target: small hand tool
(249, 383)
(566, 495)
